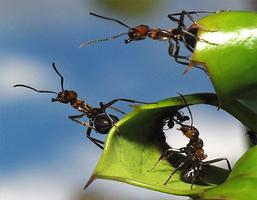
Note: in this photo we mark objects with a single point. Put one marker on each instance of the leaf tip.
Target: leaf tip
(92, 178)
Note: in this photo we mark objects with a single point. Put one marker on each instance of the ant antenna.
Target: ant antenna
(105, 39)
(111, 19)
(62, 79)
(190, 113)
(40, 91)
(101, 40)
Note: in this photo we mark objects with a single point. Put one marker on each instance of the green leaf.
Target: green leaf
(241, 183)
(230, 59)
(131, 153)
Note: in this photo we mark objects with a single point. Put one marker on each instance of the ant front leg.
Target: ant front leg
(107, 105)
(103, 106)
(117, 109)
(168, 153)
(182, 14)
(97, 142)
(179, 21)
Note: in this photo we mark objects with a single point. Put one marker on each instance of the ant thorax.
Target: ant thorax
(81, 105)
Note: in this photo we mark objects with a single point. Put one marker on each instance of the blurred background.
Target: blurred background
(44, 155)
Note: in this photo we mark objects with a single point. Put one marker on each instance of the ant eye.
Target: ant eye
(127, 41)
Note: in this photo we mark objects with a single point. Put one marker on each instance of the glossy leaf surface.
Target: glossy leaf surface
(230, 58)
(131, 153)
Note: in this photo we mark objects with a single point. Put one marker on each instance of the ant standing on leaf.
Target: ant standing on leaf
(188, 36)
(192, 165)
(99, 119)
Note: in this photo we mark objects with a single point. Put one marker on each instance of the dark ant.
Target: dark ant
(174, 117)
(99, 119)
(188, 36)
(252, 137)
(192, 165)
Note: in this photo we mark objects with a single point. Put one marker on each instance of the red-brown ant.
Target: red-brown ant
(192, 165)
(188, 36)
(99, 119)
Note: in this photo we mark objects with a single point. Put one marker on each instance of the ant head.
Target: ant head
(137, 33)
(189, 131)
(65, 96)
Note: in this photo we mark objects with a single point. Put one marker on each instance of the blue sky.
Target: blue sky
(40, 147)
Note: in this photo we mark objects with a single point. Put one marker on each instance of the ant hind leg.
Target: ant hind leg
(173, 51)
(217, 160)
(97, 142)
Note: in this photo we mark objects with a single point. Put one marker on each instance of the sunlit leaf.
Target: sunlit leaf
(131, 153)
(229, 57)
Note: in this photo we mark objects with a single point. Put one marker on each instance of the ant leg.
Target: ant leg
(117, 109)
(107, 105)
(90, 127)
(97, 142)
(170, 48)
(187, 45)
(195, 176)
(183, 162)
(177, 56)
(191, 18)
(217, 160)
(178, 21)
(165, 155)
(168, 153)
(76, 118)
(199, 39)
(183, 13)
(174, 52)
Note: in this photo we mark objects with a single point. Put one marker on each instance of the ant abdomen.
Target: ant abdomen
(103, 123)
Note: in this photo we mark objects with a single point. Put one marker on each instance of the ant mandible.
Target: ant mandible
(192, 165)
(188, 36)
(99, 119)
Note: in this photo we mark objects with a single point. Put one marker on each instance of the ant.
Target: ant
(188, 36)
(252, 136)
(99, 119)
(192, 165)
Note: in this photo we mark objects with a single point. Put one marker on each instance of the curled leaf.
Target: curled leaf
(131, 152)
